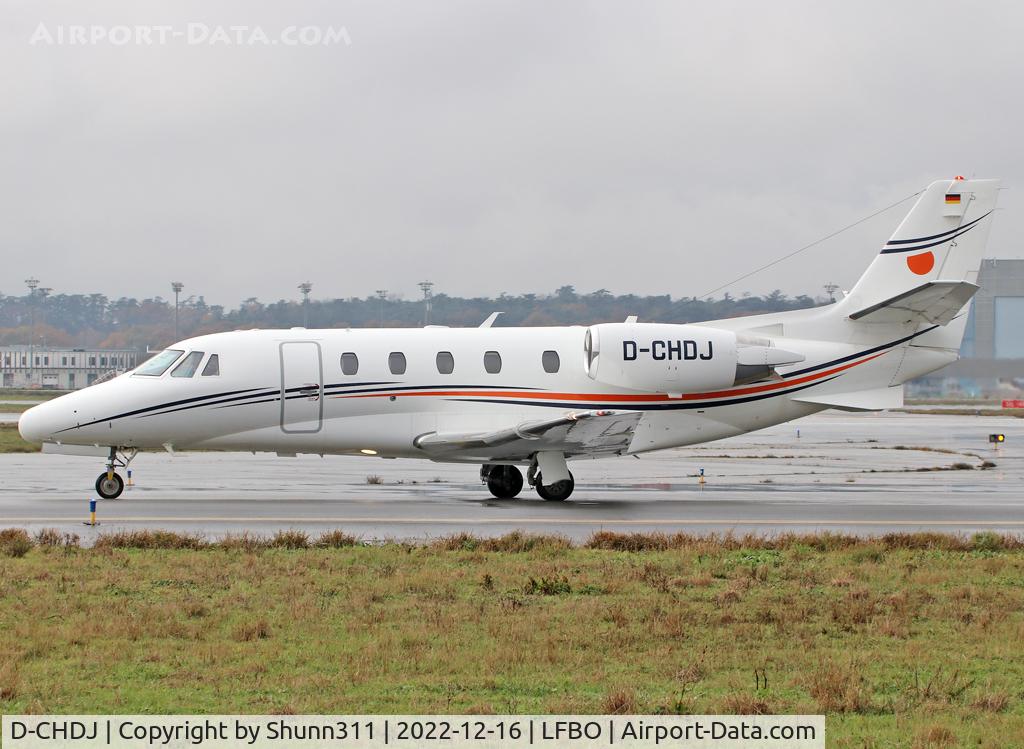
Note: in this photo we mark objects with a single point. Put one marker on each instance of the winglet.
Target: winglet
(490, 320)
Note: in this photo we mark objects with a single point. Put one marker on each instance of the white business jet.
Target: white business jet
(538, 397)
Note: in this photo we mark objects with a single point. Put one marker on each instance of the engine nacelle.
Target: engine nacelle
(661, 358)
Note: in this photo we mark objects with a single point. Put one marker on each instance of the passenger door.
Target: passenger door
(302, 390)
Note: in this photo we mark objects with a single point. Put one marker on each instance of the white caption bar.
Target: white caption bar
(375, 731)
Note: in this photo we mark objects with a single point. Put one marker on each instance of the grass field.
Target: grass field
(37, 394)
(16, 408)
(902, 641)
(11, 441)
(966, 411)
(981, 402)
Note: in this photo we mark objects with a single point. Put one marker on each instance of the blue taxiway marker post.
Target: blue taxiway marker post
(130, 482)
(701, 479)
(92, 513)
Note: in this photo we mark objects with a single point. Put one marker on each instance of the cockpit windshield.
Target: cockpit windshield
(188, 365)
(158, 364)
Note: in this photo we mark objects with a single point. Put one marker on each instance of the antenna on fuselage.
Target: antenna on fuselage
(489, 322)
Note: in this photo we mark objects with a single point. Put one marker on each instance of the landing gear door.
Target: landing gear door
(302, 389)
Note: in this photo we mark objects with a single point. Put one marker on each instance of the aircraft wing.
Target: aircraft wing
(589, 433)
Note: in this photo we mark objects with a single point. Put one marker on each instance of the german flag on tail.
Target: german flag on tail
(952, 198)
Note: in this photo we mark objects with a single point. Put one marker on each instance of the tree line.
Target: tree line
(84, 320)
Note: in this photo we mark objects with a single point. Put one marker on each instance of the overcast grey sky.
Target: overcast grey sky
(647, 147)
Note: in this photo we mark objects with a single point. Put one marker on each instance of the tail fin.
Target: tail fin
(941, 239)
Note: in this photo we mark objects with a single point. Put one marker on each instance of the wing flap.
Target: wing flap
(574, 433)
(935, 302)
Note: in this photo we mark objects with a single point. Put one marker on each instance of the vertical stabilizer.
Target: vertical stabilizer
(943, 238)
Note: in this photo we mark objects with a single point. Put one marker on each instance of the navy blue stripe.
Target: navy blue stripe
(893, 250)
(296, 394)
(165, 405)
(243, 399)
(358, 384)
(299, 393)
(211, 399)
(682, 405)
(437, 387)
(250, 403)
(851, 357)
(935, 236)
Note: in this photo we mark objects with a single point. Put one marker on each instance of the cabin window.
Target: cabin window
(396, 362)
(155, 366)
(549, 360)
(349, 363)
(212, 368)
(492, 362)
(188, 365)
(445, 362)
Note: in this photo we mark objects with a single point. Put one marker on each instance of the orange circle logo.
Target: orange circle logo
(921, 264)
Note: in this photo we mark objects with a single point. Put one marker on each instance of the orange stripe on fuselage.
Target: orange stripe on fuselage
(614, 397)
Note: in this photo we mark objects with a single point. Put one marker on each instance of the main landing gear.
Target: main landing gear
(556, 492)
(109, 484)
(505, 482)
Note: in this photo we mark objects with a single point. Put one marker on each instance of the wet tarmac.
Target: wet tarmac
(856, 473)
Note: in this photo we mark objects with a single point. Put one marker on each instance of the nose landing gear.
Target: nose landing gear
(109, 484)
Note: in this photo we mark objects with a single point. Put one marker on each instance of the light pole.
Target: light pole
(41, 294)
(33, 284)
(176, 286)
(830, 289)
(305, 287)
(427, 296)
(382, 295)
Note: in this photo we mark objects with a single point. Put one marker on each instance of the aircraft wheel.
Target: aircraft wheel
(556, 492)
(109, 488)
(504, 482)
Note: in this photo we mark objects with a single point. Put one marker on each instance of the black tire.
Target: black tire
(556, 492)
(505, 482)
(109, 488)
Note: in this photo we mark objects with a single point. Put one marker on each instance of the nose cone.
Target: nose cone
(38, 423)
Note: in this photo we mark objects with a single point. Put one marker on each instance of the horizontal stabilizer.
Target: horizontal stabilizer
(935, 302)
(878, 399)
(589, 433)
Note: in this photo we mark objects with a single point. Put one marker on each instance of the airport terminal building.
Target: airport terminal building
(992, 355)
(61, 368)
